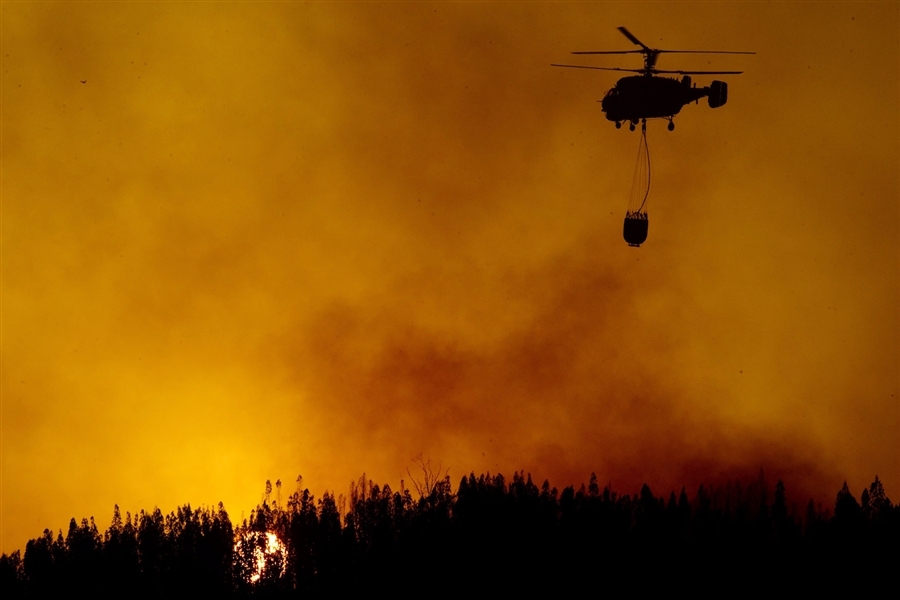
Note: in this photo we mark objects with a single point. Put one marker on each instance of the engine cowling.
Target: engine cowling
(718, 94)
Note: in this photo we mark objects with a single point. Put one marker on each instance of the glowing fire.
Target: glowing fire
(269, 555)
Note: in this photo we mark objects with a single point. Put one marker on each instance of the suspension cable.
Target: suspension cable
(640, 184)
(647, 151)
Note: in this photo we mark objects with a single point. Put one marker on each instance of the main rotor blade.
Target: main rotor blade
(613, 52)
(633, 39)
(703, 52)
(700, 72)
(598, 68)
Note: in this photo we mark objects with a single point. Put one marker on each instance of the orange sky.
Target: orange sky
(271, 239)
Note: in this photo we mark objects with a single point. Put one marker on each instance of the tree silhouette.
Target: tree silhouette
(509, 535)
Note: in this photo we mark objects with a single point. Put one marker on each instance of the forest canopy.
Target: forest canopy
(505, 533)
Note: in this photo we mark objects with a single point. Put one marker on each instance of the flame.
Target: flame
(268, 555)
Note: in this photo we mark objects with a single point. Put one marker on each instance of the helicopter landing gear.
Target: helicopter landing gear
(618, 124)
(671, 125)
(631, 126)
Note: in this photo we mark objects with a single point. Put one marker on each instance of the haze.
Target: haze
(264, 240)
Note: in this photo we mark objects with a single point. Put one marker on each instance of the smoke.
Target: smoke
(270, 239)
(582, 382)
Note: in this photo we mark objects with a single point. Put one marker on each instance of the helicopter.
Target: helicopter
(636, 98)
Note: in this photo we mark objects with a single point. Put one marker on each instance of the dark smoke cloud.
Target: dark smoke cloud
(580, 385)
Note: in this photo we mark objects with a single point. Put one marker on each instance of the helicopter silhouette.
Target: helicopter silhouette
(637, 98)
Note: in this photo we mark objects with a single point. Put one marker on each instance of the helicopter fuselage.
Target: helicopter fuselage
(651, 97)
